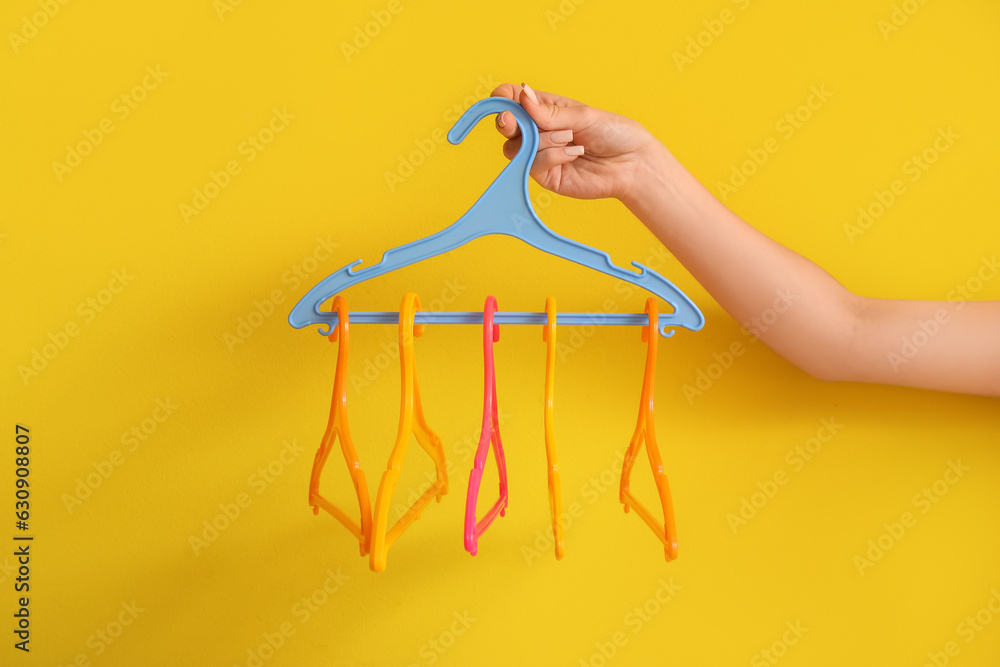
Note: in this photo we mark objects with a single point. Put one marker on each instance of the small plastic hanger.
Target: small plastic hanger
(411, 422)
(555, 485)
(337, 429)
(490, 434)
(504, 208)
(645, 431)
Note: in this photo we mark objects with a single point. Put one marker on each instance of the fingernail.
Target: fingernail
(562, 136)
(501, 123)
(530, 93)
(574, 150)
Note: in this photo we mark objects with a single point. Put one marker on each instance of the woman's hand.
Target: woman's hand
(583, 152)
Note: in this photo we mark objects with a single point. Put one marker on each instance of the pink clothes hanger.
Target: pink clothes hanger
(490, 434)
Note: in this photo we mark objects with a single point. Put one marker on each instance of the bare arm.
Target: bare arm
(800, 311)
(793, 305)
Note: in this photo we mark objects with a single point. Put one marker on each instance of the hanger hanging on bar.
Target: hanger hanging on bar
(645, 432)
(555, 485)
(504, 208)
(411, 422)
(489, 435)
(337, 429)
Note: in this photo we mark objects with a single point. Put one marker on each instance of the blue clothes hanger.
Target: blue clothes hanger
(505, 208)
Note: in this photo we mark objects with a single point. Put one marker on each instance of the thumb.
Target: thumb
(549, 116)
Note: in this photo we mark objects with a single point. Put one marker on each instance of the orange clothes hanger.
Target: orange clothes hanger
(337, 429)
(411, 422)
(555, 485)
(645, 432)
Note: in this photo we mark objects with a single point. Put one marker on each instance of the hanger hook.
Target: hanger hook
(340, 307)
(495, 105)
(489, 311)
(654, 320)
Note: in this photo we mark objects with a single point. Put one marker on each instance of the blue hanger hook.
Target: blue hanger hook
(504, 208)
(521, 164)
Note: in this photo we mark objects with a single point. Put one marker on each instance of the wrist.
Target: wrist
(656, 176)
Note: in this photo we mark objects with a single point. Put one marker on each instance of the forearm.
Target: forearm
(792, 304)
(942, 345)
(801, 311)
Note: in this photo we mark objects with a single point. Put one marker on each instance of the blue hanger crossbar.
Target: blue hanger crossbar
(505, 208)
(499, 317)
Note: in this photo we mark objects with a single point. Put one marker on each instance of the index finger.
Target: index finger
(505, 122)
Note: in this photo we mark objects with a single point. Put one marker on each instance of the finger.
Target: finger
(508, 90)
(513, 92)
(546, 140)
(553, 112)
(555, 106)
(507, 125)
(505, 121)
(555, 138)
(553, 157)
(511, 147)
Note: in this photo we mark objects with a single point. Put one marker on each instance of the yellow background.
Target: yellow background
(323, 180)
